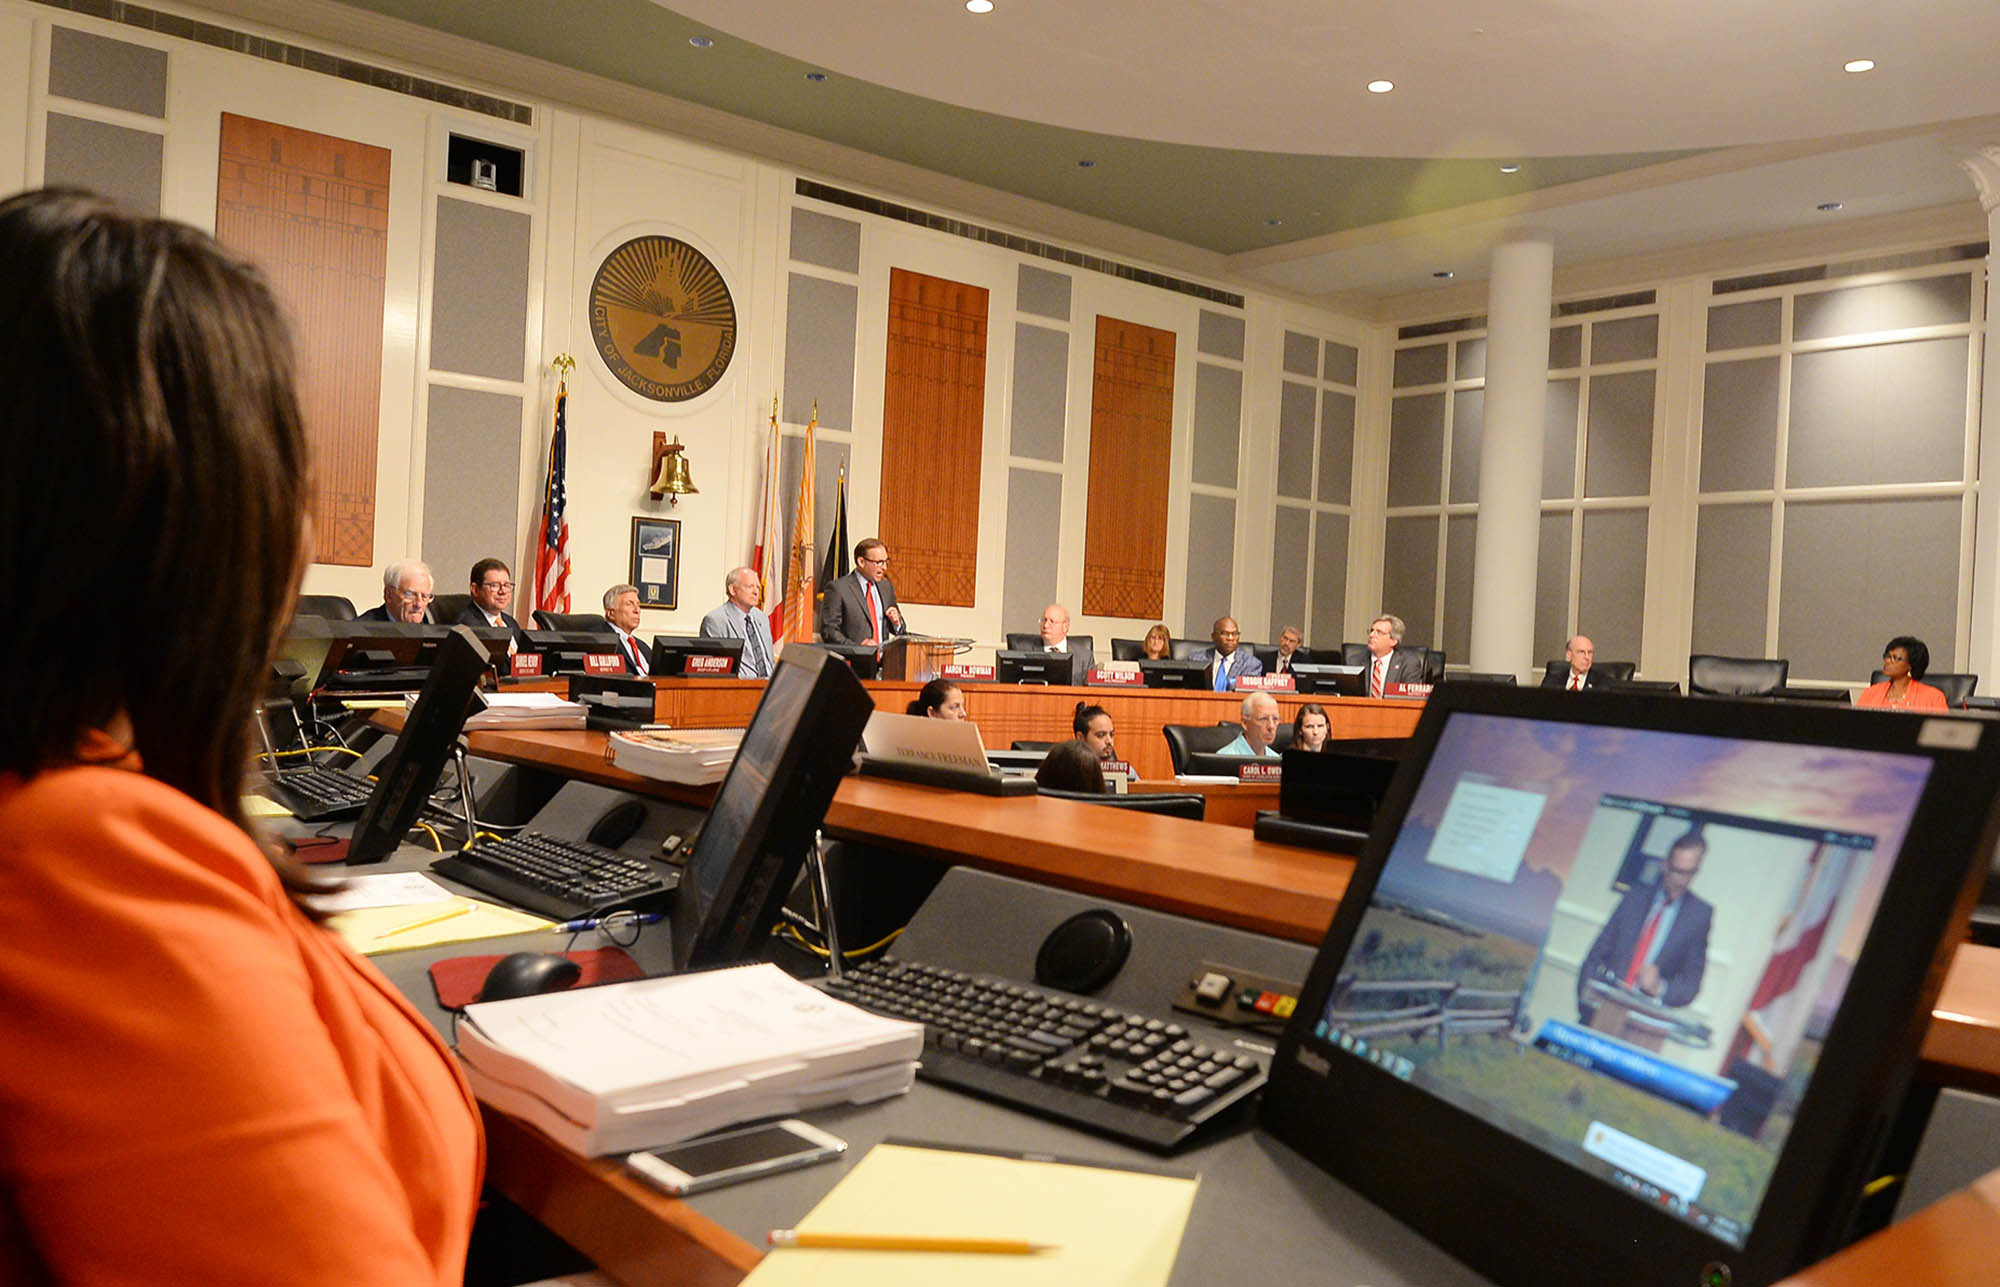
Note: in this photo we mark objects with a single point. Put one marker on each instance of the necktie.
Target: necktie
(1645, 945)
(874, 613)
(1575, 682)
(755, 647)
(638, 655)
(1375, 676)
(1221, 673)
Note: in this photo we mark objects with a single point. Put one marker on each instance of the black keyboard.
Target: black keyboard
(1144, 1080)
(560, 879)
(318, 793)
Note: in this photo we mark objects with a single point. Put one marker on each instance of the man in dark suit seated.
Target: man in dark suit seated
(621, 609)
(492, 591)
(1387, 666)
(1579, 652)
(1227, 663)
(1289, 640)
(860, 608)
(406, 593)
(1055, 638)
(1656, 942)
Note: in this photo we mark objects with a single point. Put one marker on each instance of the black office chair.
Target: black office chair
(1433, 664)
(1796, 693)
(445, 608)
(333, 607)
(1354, 654)
(861, 658)
(1042, 748)
(1714, 676)
(1616, 671)
(1183, 649)
(1127, 649)
(580, 622)
(1173, 804)
(1482, 677)
(1432, 659)
(1184, 740)
(1662, 687)
(1956, 688)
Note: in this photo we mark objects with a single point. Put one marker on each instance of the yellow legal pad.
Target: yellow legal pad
(457, 920)
(1108, 1227)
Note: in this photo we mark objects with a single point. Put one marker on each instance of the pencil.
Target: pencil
(427, 921)
(905, 1242)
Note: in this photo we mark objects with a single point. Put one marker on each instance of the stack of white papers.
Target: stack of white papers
(638, 1065)
(692, 755)
(526, 710)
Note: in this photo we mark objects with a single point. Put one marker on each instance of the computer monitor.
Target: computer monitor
(1602, 1090)
(1323, 677)
(1174, 673)
(406, 778)
(1019, 666)
(671, 653)
(799, 744)
(562, 651)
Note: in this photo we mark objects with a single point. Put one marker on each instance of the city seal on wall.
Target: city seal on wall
(662, 319)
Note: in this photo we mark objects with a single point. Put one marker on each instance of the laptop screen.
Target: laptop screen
(1624, 946)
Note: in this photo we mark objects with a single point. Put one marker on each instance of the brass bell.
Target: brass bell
(673, 480)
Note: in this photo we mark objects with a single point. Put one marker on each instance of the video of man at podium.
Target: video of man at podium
(1624, 945)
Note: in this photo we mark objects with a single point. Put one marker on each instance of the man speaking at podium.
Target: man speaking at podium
(860, 608)
(1656, 943)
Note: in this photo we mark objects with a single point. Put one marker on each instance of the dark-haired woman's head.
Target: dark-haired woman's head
(1914, 652)
(939, 699)
(1071, 766)
(1092, 727)
(1310, 727)
(155, 475)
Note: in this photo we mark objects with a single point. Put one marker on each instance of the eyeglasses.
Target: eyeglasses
(884, 560)
(420, 596)
(1377, 630)
(496, 586)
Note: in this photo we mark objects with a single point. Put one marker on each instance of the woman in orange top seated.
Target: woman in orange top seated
(1904, 663)
(201, 1084)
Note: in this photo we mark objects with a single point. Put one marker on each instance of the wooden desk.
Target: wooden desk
(1007, 713)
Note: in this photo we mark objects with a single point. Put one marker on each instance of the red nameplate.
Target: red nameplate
(1114, 768)
(1406, 690)
(1260, 772)
(603, 663)
(1100, 675)
(957, 671)
(701, 664)
(1268, 683)
(525, 663)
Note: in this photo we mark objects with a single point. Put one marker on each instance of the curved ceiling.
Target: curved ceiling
(1485, 78)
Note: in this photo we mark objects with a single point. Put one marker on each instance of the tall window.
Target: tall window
(1315, 488)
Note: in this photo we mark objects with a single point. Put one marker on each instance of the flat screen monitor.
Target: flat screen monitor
(1640, 980)
(799, 744)
(671, 653)
(1322, 677)
(1341, 786)
(1174, 674)
(563, 651)
(1018, 666)
(410, 773)
(383, 656)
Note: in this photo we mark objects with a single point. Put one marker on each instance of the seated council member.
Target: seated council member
(1227, 662)
(406, 593)
(1158, 645)
(492, 591)
(1579, 652)
(1905, 662)
(939, 699)
(1289, 640)
(1071, 766)
(1260, 727)
(860, 608)
(203, 1084)
(1310, 728)
(1092, 726)
(1055, 638)
(739, 617)
(621, 609)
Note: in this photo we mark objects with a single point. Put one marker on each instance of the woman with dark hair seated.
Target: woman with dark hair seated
(939, 699)
(1904, 663)
(1310, 728)
(1092, 726)
(1071, 766)
(206, 1085)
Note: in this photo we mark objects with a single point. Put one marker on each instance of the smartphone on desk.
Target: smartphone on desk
(739, 1153)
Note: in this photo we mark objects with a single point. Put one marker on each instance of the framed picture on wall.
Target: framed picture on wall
(656, 561)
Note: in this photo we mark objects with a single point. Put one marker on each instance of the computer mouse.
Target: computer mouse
(527, 974)
(618, 824)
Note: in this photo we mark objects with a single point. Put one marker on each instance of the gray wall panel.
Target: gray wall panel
(1301, 355)
(1041, 391)
(1611, 583)
(1850, 583)
(825, 240)
(1409, 575)
(1742, 326)
(1034, 531)
(1559, 440)
(472, 446)
(1416, 449)
(1343, 362)
(1468, 428)
(1626, 339)
(1923, 301)
(1889, 413)
(819, 350)
(110, 73)
(116, 162)
(1471, 360)
(1336, 447)
(1289, 538)
(1618, 448)
(1422, 365)
(1739, 425)
(1043, 293)
(1211, 555)
(1220, 335)
(479, 301)
(1732, 579)
(1552, 588)
(1218, 415)
(1295, 440)
(1461, 539)
(1329, 606)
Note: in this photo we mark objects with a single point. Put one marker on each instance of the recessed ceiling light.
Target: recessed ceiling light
(979, 6)
(1273, 222)
(816, 77)
(1859, 65)
(1381, 86)
(1085, 165)
(1444, 274)
(1510, 167)
(1828, 206)
(701, 42)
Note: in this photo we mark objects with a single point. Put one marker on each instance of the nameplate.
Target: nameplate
(957, 671)
(1268, 683)
(1118, 769)
(603, 663)
(525, 663)
(1260, 772)
(702, 664)
(1106, 675)
(1406, 690)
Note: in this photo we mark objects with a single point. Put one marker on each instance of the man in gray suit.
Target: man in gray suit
(861, 607)
(1386, 665)
(740, 618)
(1228, 663)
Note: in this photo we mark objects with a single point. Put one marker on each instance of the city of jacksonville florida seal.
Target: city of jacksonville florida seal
(662, 319)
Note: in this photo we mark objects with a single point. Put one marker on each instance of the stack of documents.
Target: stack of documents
(638, 1065)
(525, 710)
(693, 755)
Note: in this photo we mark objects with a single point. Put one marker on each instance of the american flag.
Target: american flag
(552, 550)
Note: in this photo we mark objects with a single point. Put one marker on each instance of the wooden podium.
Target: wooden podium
(916, 658)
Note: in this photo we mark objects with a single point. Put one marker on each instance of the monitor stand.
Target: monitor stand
(822, 896)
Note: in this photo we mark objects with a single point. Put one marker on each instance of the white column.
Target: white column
(1984, 167)
(1510, 457)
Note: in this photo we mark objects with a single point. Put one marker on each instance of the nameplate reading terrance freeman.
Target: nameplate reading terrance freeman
(662, 319)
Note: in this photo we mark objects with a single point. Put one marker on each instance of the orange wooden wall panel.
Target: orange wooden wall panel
(313, 212)
(933, 432)
(1131, 445)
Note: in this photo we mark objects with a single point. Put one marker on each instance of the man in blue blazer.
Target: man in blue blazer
(1656, 942)
(739, 617)
(1227, 663)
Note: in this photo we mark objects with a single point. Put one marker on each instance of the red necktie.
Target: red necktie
(1645, 945)
(638, 657)
(1375, 676)
(874, 613)
(1575, 682)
